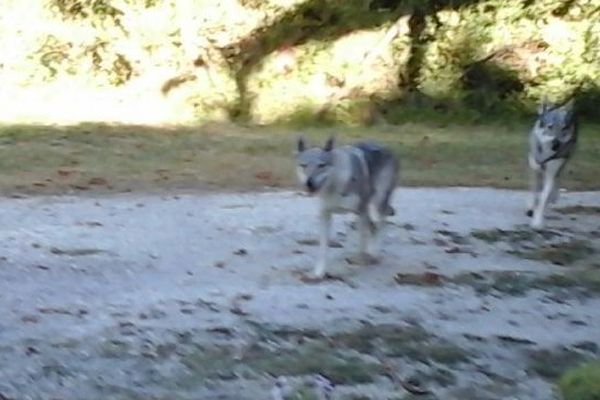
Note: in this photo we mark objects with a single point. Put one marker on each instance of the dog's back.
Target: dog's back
(380, 170)
(377, 158)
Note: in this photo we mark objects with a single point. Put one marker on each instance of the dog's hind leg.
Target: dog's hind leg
(535, 186)
(364, 231)
(380, 208)
(325, 228)
(377, 217)
(365, 237)
(551, 171)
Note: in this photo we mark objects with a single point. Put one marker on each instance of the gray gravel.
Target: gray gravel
(77, 270)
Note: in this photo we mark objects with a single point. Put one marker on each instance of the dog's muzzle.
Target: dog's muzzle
(310, 185)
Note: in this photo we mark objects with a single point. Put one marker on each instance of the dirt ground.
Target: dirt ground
(199, 296)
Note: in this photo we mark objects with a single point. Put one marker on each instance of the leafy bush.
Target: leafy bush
(581, 383)
(334, 60)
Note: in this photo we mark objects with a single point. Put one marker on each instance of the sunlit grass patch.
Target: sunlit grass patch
(117, 158)
(582, 382)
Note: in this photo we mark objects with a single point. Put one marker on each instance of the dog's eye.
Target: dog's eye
(321, 165)
(302, 165)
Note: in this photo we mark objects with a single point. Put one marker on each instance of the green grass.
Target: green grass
(543, 246)
(348, 358)
(307, 359)
(552, 363)
(577, 281)
(580, 210)
(566, 253)
(581, 383)
(105, 158)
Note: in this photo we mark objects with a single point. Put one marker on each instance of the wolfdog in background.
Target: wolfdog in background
(360, 179)
(551, 144)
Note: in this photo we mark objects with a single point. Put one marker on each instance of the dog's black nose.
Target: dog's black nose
(310, 185)
(555, 144)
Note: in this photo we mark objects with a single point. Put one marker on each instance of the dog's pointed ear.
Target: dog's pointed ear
(301, 145)
(329, 144)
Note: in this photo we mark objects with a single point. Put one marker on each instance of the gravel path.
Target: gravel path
(79, 275)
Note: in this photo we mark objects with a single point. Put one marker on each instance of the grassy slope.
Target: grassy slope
(101, 158)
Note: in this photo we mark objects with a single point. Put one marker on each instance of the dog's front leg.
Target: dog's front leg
(550, 174)
(325, 227)
(535, 186)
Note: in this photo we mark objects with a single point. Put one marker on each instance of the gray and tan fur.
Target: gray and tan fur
(359, 179)
(551, 144)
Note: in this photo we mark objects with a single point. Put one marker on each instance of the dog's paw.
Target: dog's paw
(311, 278)
(374, 248)
(317, 275)
(537, 224)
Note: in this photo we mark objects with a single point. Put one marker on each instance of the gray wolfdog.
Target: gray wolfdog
(359, 179)
(551, 144)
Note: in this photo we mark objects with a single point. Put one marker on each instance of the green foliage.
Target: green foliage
(581, 383)
(341, 60)
(86, 8)
(499, 51)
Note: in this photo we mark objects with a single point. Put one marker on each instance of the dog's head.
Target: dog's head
(313, 164)
(555, 124)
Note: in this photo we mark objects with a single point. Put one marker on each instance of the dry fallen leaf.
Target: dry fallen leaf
(32, 319)
(426, 278)
(453, 250)
(97, 181)
(80, 187)
(221, 329)
(245, 296)
(65, 173)
(264, 175)
(30, 350)
(236, 309)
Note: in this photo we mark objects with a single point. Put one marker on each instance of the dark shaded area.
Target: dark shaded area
(490, 85)
(435, 149)
(326, 21)
(588, 103)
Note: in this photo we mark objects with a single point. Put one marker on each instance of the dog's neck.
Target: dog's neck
(338, 183)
